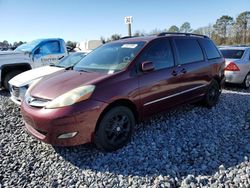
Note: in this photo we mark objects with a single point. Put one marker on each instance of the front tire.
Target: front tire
(115, 129)
(212, 94)
(8, 77)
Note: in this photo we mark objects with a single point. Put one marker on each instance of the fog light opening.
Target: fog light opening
(67, 135)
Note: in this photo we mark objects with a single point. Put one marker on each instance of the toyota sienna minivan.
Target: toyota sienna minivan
(120, 83)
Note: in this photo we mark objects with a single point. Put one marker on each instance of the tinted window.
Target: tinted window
(210, 49)
(188, 50)
(232, 54)
(50, 48)
(160, 53)
(110, 58)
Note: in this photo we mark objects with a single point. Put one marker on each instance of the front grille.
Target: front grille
(15, 91)
(36, 102)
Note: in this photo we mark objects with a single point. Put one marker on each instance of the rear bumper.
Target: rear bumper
(235, 77)
(48, 124)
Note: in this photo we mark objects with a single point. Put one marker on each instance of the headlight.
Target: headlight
(76, 95)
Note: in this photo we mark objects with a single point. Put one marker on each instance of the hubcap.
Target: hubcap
(117, 128)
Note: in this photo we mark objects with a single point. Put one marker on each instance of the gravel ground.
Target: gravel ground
(190, 146)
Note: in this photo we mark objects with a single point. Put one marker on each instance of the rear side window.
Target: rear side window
(160, 53)
(232, 54)
(210, 49)
(189, 50)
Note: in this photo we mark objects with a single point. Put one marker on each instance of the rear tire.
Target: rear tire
(212, 95)
(8, 77)
(115, 129)
(246, 82)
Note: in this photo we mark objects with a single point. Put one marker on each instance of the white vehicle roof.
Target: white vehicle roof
(234, 48)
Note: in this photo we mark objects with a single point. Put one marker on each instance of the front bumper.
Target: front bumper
(17, 93)
(235, 77)
(49, 124)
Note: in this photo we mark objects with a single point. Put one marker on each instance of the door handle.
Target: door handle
(60, 57)
(174, 73)
(183, 71)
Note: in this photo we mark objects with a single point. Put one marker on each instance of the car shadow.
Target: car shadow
(167, 145)
(3, 92)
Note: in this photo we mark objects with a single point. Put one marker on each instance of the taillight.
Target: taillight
(232, 67)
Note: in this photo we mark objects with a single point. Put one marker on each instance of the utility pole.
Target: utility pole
(128, 20)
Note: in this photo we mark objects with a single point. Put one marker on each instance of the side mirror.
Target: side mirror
(147, 66)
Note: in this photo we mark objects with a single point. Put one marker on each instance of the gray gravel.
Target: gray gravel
(190, 146)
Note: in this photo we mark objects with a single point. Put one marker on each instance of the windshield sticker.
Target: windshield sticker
(129, 45)
(111, 71)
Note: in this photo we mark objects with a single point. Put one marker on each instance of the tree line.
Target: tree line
(5, 45)
(225, 31)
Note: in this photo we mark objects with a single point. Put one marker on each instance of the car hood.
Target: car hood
(61, 82)
(13, 57)
(28, 76)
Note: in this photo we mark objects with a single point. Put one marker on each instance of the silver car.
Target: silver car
(237, 68)
(20, 83)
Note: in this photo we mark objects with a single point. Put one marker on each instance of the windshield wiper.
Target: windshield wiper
(82, 70)
(54, 65)
(69, 67)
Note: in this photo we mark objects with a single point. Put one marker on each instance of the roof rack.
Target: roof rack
(126, 37)
(186, 34)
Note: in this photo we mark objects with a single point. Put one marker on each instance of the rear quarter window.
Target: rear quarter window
(189, 50)
(210, 49)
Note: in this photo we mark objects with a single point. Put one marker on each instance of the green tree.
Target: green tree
(103, 39)
(221, 27)
(173, 29)
(207, 30)
(139, 33)
(71, 44)
(115, 37)
(185, 27)
(243, 26)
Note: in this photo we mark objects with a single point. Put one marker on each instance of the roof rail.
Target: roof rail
(126, 37)
(186, 34)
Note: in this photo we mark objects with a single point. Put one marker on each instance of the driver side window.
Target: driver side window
(49, 48)
(160, 53)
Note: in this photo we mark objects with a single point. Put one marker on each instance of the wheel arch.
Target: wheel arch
(218, 80)
(5, 69)
(119, 102)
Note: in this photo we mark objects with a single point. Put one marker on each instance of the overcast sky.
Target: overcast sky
(76, 20)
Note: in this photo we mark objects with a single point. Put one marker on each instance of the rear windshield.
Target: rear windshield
(232, 54)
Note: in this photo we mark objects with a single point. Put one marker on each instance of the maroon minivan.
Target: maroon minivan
(106, 93)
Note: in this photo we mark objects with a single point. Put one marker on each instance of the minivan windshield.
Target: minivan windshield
(232, 54)
(110, 58)
(28, 47)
